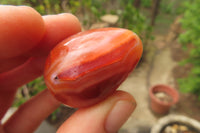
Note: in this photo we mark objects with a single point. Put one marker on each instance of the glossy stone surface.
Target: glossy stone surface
(89, 66)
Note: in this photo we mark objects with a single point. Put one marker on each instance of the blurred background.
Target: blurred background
(170, 34)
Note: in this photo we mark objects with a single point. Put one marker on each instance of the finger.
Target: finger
(21, 30)
(6, 100)
(30, 115)
(58, 27)
(23, 74)
(8, 64)
(11, 80)
(105, 117)
(1, 129)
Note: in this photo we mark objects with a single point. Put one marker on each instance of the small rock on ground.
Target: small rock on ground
(109, 18)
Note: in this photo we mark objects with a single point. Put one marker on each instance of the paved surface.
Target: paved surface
(45, 128)
(161, 73)
(142, 117)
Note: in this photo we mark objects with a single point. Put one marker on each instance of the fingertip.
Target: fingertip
(73, 23)
(122, 95)
(58, 27)
(73, 18)
(106, 117)
(118, 115)
(21, 29)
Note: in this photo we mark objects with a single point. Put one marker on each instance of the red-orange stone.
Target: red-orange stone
(89, 66)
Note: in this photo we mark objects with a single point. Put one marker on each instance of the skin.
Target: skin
(25, 70)
(16, 22)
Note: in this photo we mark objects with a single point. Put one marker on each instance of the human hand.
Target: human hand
(25, 40)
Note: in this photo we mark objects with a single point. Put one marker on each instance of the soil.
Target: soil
(163, 97)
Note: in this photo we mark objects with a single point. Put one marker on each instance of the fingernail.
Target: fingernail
(119, 115)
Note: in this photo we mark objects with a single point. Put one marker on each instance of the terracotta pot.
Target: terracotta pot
(159, 106)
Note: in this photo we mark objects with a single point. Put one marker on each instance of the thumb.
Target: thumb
(105, 117)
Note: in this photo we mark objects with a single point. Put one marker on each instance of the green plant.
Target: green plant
(74, 5)
(12, 2)
(132, 19)
(42, 6)
(146, 3)
(190, 23)
(46, 6)
(167, 7)
(31, 89)
(27, 91)
(93, 7)
(53, 115)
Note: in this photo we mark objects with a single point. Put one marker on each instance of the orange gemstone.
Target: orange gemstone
(89, 66)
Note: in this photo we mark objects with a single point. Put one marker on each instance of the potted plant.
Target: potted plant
(162, 98)
(176, 124)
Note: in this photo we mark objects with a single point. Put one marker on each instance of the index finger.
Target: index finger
(21, 29)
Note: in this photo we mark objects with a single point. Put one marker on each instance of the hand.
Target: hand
(25, 40)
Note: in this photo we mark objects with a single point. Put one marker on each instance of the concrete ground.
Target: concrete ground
(157, 70)
(45, 127)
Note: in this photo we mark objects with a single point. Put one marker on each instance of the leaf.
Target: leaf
(190, 23)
